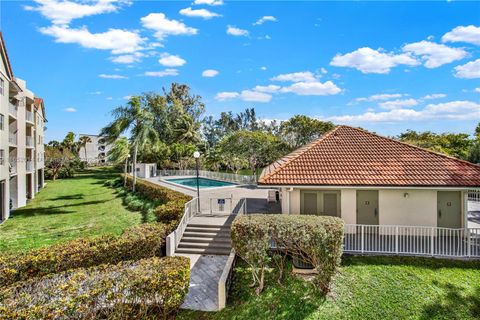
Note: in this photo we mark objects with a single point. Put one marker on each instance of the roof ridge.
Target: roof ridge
(414, 146)
(300, 152)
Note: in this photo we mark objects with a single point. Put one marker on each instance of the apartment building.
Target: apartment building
(22, 121)
(95, 151)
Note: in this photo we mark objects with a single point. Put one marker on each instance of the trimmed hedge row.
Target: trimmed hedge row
(138, 242)
(172, 202)
(129, 290)
(316, 240)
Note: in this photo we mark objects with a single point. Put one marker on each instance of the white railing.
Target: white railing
(173, 239)
(29, 141)
(230, 177)
(474, 195)
(12, 109)
(12, 138)
(412, 240)
(29, 116)
(29, 166)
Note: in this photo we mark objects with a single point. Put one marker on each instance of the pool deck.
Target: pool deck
(256, 196)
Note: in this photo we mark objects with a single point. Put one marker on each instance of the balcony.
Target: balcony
(13, 167)
(29, 166)
(12, 139)
(29, 142)
(12, 110)
(29, 116)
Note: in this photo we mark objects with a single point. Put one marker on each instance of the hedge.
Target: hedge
(316, 240)
(150, 288)
(172, 205)
(138, 242)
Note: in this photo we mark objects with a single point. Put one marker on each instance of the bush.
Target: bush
(156, 192)
(140, 289)
(138, 242)
(171, 212)
(316, 240)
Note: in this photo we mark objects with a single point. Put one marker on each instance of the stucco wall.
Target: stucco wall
(348, 198)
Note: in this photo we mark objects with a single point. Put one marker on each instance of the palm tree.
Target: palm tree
(82, 143)
(69, 141)
(120, 153)
(139, 121)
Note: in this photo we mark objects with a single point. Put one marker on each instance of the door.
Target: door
(367, 207)
(449, 209)
(3, 198)
(310, 203)
(330, 204)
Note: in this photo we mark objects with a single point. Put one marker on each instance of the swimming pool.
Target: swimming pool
(202, 182)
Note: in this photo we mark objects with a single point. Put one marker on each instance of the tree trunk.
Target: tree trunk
(85, 148)
(125, 172)
(135, 151)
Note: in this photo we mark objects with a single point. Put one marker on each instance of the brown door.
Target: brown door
(367, 207)
(310, 203)
(330, 204)
(449, 209)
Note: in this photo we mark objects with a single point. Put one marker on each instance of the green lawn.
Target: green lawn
(366, 288)
(66, 209)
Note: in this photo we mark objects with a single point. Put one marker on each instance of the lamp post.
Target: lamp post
(196, 155)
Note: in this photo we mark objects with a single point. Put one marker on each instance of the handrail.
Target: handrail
(173, 239)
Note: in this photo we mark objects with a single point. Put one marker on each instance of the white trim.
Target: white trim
(335, 187)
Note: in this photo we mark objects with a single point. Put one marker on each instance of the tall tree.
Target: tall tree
(300, 130)
(82, 143)
(69, 142)
(137, 118)
(119, 154)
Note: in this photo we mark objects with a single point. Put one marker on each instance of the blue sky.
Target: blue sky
(384, 66)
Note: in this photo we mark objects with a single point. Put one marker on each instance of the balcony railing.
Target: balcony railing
(29, 141)
(12, 138)
(12, 109)
(13, 166)
(29, 116)
(29, 166)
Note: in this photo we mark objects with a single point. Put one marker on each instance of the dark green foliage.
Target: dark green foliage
(147, 289)
(138, 242)
(316, 240)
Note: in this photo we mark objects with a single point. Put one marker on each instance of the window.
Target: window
(2, 157)
(2, 87)
(2, 121)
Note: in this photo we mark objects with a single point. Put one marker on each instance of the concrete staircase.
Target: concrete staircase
(205, 239)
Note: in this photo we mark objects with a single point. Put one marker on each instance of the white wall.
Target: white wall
(349, 205)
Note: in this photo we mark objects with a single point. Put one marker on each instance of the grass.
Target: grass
(66, 209)
(365, 288)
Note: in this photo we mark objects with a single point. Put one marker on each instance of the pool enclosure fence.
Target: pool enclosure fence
(222, 176)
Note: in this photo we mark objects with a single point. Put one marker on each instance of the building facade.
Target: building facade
(95, 151)
(22, 120)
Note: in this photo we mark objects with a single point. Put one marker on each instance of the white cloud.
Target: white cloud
(70, 109)
(226, 95)
(170, 60)
(109, 98)
(64, 11)
(434, 54)
(198, 13)
(127, 58)
(434, 96)
(116, 40)
(380, 96)
(453, 110)
(399, 103)
(112, 76)
(209, 2)
(269, 89)
(468, 34)
(164, 27)
(164, 73)
(313, 88)
(368, 60)
(264, 19)
(263, 68)
(323, 70)
(470, 70)
(237, 32)
(305, 76)
(477, 89)
(255, 96)
(209, 73)
(96, 93)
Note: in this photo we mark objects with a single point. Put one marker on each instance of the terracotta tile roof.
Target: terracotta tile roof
(349, 156)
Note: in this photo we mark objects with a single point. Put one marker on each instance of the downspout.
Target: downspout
(289, 192)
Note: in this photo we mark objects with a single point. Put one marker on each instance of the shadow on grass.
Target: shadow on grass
(29, 212)
(447, 308)
(77, 196)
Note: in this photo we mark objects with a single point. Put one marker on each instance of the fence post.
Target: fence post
(396, 239)
(432, 241)
(469, 245)
(361, 228)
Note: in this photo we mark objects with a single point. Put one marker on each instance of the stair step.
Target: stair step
(211, 245)
(219, 229)
(206, 239)
(211, 251)
(203, 225)
(205, 235)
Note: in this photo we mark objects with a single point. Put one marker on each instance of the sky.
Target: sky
(384, 66)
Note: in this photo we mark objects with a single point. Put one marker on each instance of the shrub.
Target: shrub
(156, 192)
(170, 212)
(139, 289)
(138, 242)
(316, 240)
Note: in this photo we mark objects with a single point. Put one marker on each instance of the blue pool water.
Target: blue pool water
(202, 182)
